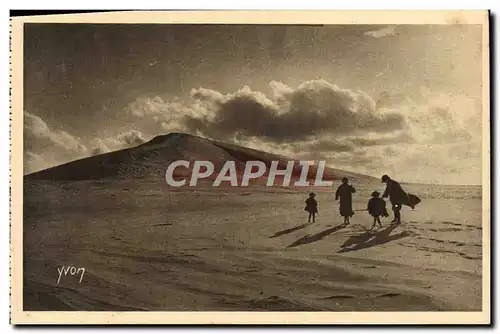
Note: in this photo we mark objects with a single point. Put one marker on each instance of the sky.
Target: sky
(403, 100)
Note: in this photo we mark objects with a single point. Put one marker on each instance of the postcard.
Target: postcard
(250, 167)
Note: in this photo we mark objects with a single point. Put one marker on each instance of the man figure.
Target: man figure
(396, 195)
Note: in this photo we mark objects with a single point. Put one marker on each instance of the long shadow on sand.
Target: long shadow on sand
(290, 230)
(316, 237)
(371, 239)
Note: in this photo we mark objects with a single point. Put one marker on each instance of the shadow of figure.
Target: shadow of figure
(290, 230)
(316, 237)
(371, 239)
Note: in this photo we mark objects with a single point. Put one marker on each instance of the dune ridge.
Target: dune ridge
(151, 159)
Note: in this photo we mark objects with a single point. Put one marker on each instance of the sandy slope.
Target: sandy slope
(146, 247)
(151, 159)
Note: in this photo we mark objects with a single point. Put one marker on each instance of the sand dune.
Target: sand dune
(150, 160)
(146, 246)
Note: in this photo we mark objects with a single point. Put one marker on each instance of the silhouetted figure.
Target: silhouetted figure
(376, 208)
(311, 207)
(344, 193)
(396, 195)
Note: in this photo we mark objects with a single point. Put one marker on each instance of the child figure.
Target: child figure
(344, 194)
(311, 207)
(376, 208)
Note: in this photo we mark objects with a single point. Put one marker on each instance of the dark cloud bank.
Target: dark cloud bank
(315, 108)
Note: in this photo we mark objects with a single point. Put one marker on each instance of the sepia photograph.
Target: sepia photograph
(250, 168)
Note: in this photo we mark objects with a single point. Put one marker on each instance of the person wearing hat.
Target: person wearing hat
(376, 208)
(396, 195)
(311, 207)
(344, 193)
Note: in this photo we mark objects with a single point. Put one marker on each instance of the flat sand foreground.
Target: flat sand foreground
(144, 246)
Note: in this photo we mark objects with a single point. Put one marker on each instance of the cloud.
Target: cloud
(441, 144)
(169, 116)
(314, 108)
(147, 106)
(391, 151)
(99, 147)
(330, 146)
(46, 147)
(376, 140)
(32, 162)
(37, 134)
(385, 99)
(446, 163)
(131, 138)
(387, 31)
(437, 163)
(444, 118)
(123, 140)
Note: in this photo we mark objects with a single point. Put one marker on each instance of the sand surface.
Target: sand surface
(147, 247)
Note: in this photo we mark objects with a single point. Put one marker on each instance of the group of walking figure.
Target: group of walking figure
(376, 206)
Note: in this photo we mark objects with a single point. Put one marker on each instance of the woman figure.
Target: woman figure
(344, 193)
